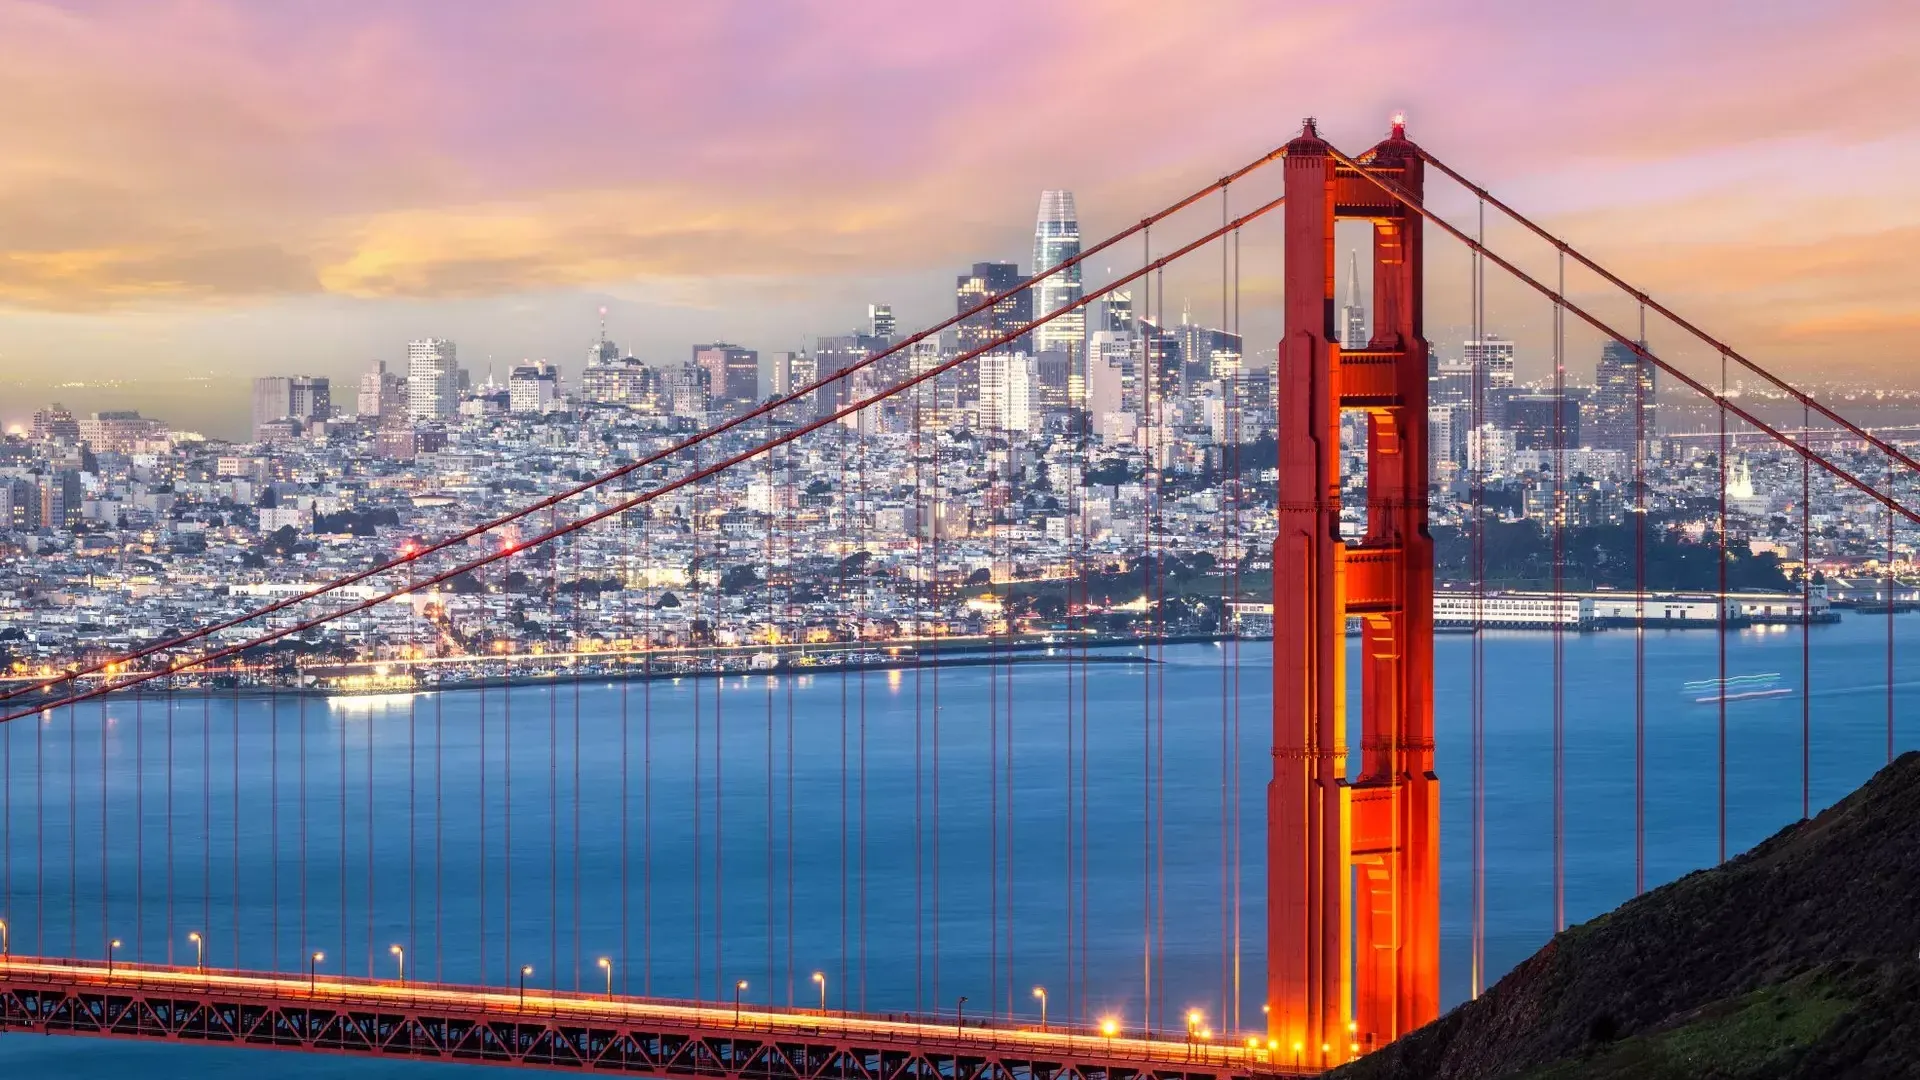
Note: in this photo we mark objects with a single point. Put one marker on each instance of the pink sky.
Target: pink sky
(239, 187)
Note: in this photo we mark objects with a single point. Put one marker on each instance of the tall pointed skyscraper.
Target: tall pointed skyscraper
(1056, 236)
(1353, 317)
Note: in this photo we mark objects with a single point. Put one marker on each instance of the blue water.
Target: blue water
(667, 806)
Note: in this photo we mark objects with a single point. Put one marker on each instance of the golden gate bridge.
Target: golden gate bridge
(1351, 836)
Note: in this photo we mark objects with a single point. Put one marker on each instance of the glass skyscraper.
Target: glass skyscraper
(1056, 236)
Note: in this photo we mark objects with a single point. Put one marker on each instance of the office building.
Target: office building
(1489, 362)
(1353, 317)
(880, 322)
(1543, 421)
(532, 388)
(1056, 238)
(121, 432)
(382, 393)
(300, 398)
(1009, 392)
(55, 424)
(433, 379)
(1622, 382)
(733, 375)
(1011, 310)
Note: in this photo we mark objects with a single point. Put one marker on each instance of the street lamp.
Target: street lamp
(1108, 1028)
(525, 970)
(313, 973)
(820, 977)
(606, 965)
(960, 1014)
(737, 988)
(199, 950)
(400, 958)
(1296, 1054)
(4, 950)
(111, 946)
(1041, 993)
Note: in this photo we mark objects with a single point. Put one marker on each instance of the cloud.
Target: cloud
(203, 154)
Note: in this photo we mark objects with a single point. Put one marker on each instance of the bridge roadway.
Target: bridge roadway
(579, 1031)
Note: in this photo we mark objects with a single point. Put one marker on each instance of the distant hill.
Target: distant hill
(1800, 958)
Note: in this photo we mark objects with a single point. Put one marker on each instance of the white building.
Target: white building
(1489, 449)
(433, 386)
(1009, 392)
(1513, 611)
(532, 388)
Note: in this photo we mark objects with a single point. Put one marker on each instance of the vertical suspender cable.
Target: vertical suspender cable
(860, 533)
(1237, 554)
(1890, 608)
(1559, 593)
(1641, 377)
(481, 809)
(1476, 704)
(772, 648)
(1225, 1011)
(1158, 619)
(1150, 350)
(552, 694)
(1720, 613)
(1806, 615)
(690, 662)
(646, 756)
(626, 742)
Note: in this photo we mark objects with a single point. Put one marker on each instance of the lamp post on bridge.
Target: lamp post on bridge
(606, 965)
(960, 1014)
(1041, 993)
(400, 958)
(313, 973)
(111, 946)
(820, 979)
(525, 970)
(199, 950)
(738, 987)
(5, 952)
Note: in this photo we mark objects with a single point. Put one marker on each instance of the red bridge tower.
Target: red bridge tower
(1353, 865)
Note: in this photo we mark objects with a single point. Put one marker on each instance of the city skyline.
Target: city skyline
(287, 218)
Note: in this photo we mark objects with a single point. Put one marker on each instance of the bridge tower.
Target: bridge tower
(1353, 864)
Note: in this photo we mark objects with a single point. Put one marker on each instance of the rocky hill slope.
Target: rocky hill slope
(1800, 958)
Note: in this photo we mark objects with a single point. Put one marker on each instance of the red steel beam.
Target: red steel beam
(584, 1032)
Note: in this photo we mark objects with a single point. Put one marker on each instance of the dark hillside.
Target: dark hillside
(1800, 958)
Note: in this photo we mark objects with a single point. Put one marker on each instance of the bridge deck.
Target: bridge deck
(572, 1030)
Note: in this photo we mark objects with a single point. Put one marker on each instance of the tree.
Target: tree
(739, 579)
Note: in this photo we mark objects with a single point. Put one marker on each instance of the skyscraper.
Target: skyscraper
(733, 374)
(1620, 382)
(1056, 238)
(880, 321)
(382, 393)
(291, 397)
(433, 386)
(1353, 317)
(1009, 392)
(1012, 309)
(532, 388)
(1490, 360)
(782, 373)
